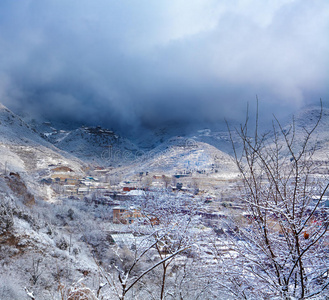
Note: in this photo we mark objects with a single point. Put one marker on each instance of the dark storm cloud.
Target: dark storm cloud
(146, 63)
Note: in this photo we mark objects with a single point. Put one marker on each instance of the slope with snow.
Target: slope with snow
(215, 134)
(91, 144)
(305, 120)
(182, 156)
(24, 151)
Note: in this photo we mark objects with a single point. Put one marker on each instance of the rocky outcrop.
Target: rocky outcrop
(17, 185)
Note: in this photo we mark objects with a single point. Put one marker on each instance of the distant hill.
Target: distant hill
(160, 149)
(182, 156)
(24, 151)
(93, 145)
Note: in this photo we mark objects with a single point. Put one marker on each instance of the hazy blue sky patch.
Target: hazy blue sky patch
(149, 63)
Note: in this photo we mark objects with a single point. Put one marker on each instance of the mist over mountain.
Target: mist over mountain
(149, 65)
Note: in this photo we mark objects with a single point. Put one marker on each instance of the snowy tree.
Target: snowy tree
(161, 257)
(281, 249)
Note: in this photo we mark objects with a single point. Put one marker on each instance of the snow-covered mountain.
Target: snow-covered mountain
(181, 156)
(305, 121)
(104, 147)
(13, 130)
(90, 144)
(160, 149)
(24, 151)
(216, 135)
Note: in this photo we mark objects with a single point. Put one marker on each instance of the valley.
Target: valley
(86, 212)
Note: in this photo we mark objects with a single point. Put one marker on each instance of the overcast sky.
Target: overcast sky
(125, 63)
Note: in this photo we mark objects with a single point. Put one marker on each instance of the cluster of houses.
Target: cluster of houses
(65, 179)
(98, 190)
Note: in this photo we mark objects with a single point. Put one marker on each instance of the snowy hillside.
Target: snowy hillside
(216, 135)
(218, 138)
(183, 156)
(13, 130)
(319, 141)
(307, 118)
(90, 144)
(23, 151)
(179, 154)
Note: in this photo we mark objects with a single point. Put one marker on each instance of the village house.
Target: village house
(64, 175)
(62, 169)
(123, 215)
(83, 190)
(72, 181)
(128, 188)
